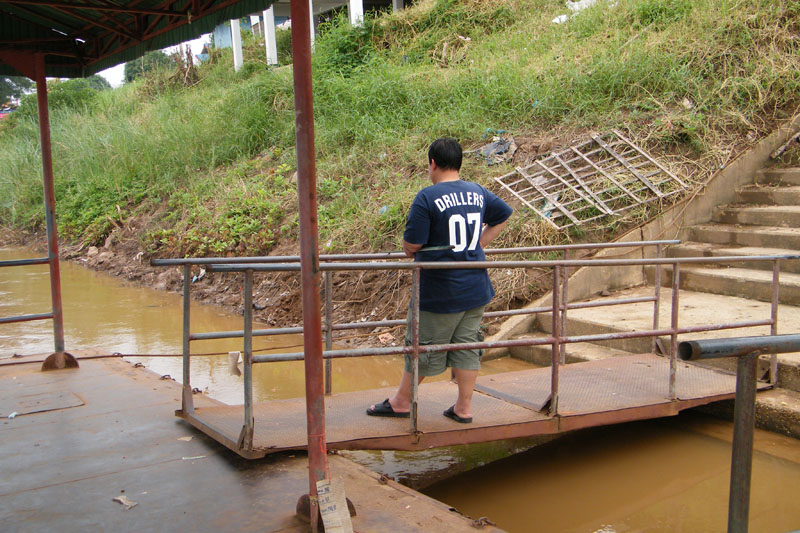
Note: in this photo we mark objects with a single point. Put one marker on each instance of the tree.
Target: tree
(13, 87)
(98, 83)
(148, 62)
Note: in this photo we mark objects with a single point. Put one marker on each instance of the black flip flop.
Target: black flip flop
(385, 409)
(451, 413)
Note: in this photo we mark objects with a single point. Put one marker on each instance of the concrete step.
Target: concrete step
(777, 410)
(704, 249)
(781, 216)
(759, 236)
(575, 352)
(778, 176)
(741, 282)
(769, 195)
(696, 308)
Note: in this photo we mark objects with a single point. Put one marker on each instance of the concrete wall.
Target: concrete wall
(720, 189)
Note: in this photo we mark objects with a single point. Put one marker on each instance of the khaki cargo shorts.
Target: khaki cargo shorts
(447, 328)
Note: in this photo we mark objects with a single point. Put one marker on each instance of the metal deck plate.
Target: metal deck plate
(37, 403)
(504, 406)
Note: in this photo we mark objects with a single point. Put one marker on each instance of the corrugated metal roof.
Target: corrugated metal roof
(81, 38)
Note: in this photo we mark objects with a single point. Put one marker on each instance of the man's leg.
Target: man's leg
(401, 401)
(466, 383)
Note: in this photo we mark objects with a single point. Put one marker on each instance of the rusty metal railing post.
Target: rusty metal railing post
(556, 341)
(657, 302)
(328, 331)
(673, 345)
(246, 435)
(773, 329)
(742, 456)
(564, 304)
(59, 359)
(309, 255)
(187, 400)
(415, 345)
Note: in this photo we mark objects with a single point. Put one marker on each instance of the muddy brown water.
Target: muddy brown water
(655, 476)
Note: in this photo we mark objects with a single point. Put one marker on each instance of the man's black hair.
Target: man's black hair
(446, 152)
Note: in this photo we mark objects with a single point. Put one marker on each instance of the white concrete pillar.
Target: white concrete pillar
(236, 40)
(313, 20)
(356, 9)
(397, 5)
(269, 36)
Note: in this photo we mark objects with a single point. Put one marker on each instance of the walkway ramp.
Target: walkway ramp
(508, 405)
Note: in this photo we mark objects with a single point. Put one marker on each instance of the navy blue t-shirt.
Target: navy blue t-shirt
(452, 213)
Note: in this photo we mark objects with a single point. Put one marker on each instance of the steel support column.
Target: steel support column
(309, 253)
(59, 359)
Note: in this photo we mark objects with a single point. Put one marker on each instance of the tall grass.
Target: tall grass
(211, 164)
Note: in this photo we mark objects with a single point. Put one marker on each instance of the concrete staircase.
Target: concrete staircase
(765, 220)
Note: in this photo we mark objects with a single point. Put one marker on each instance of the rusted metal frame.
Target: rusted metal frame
(95, 7)
(626, 165)
(56, 23)
(608, 176)
(527, 203)
(328, 330)
(444, 265)
(245, 441)
(401, 255)
(318, 469)
(392, 323)
(585, 187)
(99, 23)
(25, 318)
(565, 183)
(50, 207)
(556, 359)
(25, 262)
(656, 163)
(548, 197)
(773, 329)
(415, 349)
(673, 352)
(187, 403)
(657, 298)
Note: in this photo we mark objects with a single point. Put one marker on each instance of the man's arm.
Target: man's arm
(488, 234)
(410, 249)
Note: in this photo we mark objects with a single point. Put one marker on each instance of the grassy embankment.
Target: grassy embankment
(207, 169)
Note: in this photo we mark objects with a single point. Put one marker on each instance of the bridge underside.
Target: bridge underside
(504, 406)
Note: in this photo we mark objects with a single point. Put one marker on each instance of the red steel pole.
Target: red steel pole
(309, 251)
(50, 208)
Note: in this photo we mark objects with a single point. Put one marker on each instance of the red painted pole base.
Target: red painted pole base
(303, 511)
(59, 360)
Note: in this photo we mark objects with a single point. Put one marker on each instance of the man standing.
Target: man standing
(452, 220)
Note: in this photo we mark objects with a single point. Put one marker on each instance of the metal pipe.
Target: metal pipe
(246, 435)
(564, 306)
(657, 299)
(415, 349)
(738, 347)
(187, 404)
(742, 455)
(556, 343)
(309, 253)
(673, 350)
(25, 262)
(328, 331)
(25, 318)
(773, 358)
(444, 265)
(395, 255)
(50, 208)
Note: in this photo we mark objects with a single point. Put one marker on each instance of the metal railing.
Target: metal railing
(29, 318)
(558, 308)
